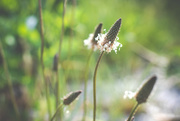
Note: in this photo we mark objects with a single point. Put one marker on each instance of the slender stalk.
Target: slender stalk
(56, 86)
(9, 81)
(62, 28)
(57, 92)
(71, 25)
(94, 86)
(42, 61)
(58, 95)
(133, 112)
(66, 70)
(41, 32)
(85, 84)
(57, 110)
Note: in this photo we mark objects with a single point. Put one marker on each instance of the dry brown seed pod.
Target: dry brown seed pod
(113, 31)
(71, 97)
(98, 30)
(92, 42)
(145, 90)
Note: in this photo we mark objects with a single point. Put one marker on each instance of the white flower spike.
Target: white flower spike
(91, 42)
(108, 41)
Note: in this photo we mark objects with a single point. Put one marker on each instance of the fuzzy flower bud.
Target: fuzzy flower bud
(71, 97)
(91, 42)
(107, 42)
(112, 33)
(145, 90)
(98, 30)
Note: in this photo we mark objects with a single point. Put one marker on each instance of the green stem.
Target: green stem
(71, 28)
(94, 86)
(62, 28)
(47, 96)
(42, 61)
(57, 110)
(58, 117)
(56, 87)
(133, 112)
(58, 90)
(57, 93)
(9, 81)
(85, 84)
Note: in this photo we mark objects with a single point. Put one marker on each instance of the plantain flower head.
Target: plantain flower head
(108, 41)
(91, 42)
(142, 94)
(145, 90)
(71, 97)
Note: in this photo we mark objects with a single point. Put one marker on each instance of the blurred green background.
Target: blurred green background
(151, 45)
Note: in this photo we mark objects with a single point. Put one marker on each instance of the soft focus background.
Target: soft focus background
(150, 34)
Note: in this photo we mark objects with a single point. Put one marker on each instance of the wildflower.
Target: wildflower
(143, 93)
(91, 42)
(71, 97)
(107, 41)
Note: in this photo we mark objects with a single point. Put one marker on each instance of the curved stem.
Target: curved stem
(10, 85)
(58, 90)
(94, 86)
(42, 62)
(57, 110)
(85, 84)
(71, 27)
(133, 112)
(62, 28)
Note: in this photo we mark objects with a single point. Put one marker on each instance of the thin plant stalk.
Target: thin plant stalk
(71, 25)
(8, 77)
(58, 95)
(85, 84)
(142, 94)
(94, 86)
(67, 101)
(133, 112)
(42, 61)
(62, 28)
(57, 89)
(57, 110)
(70, 40)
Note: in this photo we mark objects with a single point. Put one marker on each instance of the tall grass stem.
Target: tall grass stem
(133, 112)
(57, 110)
(71, 28)
(85, 84)
(42, 61)
(94, 86)
(8, 77)
(58, 90)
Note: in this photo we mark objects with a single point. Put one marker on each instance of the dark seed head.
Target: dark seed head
(98, 30)
(71, 97)
(145, 90)
(113, 32)
(55, 62)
